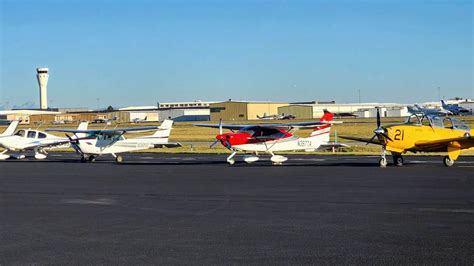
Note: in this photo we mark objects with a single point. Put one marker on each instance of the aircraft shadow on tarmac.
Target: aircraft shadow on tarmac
(238, 164)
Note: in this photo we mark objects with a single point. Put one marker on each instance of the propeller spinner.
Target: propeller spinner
(379, 131)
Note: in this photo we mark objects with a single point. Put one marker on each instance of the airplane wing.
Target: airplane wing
(465, 142)
(279, 126)
(231, 127)
(104, 131)
(366, 140)
(302, 125)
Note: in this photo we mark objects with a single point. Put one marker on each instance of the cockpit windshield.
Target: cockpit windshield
(414, 120)
(249, 130)
(20, 133)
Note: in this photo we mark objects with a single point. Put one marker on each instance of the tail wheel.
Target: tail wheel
(119, 159)
(383, 162)
(448, 162)
(398, 160)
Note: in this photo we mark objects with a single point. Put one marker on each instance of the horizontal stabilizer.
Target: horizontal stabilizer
(168, 145)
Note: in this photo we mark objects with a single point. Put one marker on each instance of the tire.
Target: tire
(231, 162)
(448, 162)
(398, 160)
(119, 159)
(91, 158)
(83, 159)
(383, 162)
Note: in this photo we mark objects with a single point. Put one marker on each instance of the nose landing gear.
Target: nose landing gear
(383, 159)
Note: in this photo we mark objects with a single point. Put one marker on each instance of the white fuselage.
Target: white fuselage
(293, 143)
(30, 140)
(105, 145)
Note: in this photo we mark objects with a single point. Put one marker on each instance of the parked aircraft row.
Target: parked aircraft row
(421, 132)
(446, 109)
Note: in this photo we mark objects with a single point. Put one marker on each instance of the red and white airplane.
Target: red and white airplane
(271, 138)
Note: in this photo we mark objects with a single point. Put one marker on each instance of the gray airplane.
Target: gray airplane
(418, 110)
(455, 109)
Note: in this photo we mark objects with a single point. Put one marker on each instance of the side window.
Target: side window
(41, 135)
(31, 134)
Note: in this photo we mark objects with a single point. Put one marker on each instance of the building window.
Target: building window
(241, 115)
(217, 109)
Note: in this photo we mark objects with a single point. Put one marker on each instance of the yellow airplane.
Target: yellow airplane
(422, 133)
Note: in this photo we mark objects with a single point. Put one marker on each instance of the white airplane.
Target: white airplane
(139, 120)
(93, 143)
(28, 140)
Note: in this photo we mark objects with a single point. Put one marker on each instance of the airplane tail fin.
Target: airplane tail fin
(443, 103)
(164, 130)
(82, 126)
(10, 129)
(322, 132)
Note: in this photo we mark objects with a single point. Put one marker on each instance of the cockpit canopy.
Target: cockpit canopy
(437, 121)
(256, 131)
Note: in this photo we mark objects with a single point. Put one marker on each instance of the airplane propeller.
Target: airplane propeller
(379, 131)
(74, 143)
(220, 133)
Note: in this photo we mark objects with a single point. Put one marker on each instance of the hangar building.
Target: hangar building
(316, 109)
(241, 110)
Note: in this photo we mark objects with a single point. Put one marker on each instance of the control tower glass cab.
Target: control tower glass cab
(42, 76)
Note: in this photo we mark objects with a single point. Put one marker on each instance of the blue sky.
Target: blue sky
(140, 52)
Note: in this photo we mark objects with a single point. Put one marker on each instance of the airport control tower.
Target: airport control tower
(42, 76)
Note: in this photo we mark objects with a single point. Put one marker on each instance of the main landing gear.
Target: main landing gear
(88, 158)
(230, 159)
(398, 159)
(448, 162)
(91, 158)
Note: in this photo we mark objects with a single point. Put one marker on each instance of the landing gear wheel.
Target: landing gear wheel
(91, 158)
(398, 160)
(448, 162)
(83, 159)
(119, 159)
(383, 162)
(231, 161)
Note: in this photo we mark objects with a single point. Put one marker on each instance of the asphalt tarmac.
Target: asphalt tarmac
(195, 209)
